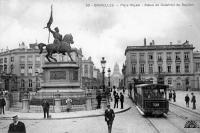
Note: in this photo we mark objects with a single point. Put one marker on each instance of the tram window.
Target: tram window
(162, 92)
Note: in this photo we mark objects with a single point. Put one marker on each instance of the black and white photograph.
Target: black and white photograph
(99, 66)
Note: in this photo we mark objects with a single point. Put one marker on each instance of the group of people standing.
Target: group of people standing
(193, 100)
(117, 98)
(172, 95)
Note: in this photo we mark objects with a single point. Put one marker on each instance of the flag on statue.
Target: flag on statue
(50, 19)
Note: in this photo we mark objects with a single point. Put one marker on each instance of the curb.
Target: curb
(75, 117)
(184, 108)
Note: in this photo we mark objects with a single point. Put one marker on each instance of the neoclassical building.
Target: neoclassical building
(21, 68)
(174, 64)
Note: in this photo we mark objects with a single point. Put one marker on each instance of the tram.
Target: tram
(151, 98)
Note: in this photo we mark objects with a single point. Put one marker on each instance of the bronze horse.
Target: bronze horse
(62, 48)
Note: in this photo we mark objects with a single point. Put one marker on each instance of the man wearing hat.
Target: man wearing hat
(16, 126)
(57, 37)
(2, 104)
(109, 117)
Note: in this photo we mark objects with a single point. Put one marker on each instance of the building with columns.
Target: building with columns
(196, 60)
(21, 68)
(172, 63)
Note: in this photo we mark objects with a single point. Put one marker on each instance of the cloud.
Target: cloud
(100, 32)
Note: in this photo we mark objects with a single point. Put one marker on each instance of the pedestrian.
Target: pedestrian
(116, 99)
(122, 100)
(193, 100)
(174, 95)
(170, 95)
(17, 126)
(45, 106)
(124, 90)
(2, 104)
(114, 93)
(187, 100)
(69, 104)
(109, 117)
(98, 101)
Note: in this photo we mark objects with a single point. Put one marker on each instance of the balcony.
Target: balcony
(134, 61)
(178, 60)
(169, 60)
(150, 60)
(160, 60)
(186, 60)
(142, 61)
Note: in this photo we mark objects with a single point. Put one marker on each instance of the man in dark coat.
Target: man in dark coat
(116, 97)
(170, 95)
(109, 117)
(17, 126)
(193, 100)
(122, 100)
(45, 106)
(174, 95)
(2, 104)
(187, 100)
(99, 101)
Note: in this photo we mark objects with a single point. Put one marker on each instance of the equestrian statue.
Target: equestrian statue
(59, 45)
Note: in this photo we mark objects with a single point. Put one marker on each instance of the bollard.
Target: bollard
(57, 107)
(25, 105)
(89, 104)
(7, 107)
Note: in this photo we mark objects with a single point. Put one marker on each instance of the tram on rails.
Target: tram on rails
(151, 99)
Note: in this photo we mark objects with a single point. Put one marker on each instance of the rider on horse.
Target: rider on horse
(57, 38)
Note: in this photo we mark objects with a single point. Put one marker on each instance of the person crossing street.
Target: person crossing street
(109, 117)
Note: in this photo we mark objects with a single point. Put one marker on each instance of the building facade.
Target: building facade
(172, 64)
(25, 65)
(196, 59)
(91, 76)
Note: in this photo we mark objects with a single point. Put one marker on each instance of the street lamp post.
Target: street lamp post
(36, 82)
(109, 78)
(103, 63)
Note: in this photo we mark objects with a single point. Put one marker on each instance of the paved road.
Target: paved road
(128, 122)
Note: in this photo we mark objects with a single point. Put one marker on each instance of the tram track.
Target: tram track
(156, 123)
(194, 114)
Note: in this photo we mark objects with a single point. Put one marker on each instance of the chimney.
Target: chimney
(153, 42)
(145, 42)
(170, 43)
(150, 43)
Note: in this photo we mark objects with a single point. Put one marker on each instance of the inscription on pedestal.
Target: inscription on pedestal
(57, 75)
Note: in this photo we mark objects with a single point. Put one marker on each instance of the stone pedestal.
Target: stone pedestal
(57, 107)
(25, 105)
(7, 107)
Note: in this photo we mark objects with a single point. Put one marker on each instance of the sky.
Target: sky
(101, 31)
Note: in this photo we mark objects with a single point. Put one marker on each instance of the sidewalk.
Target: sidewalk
(180, 100)
(63, 115)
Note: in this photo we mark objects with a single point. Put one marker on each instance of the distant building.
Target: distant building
(173, 64)
(90, 75)
(116, 76)
(196, 59)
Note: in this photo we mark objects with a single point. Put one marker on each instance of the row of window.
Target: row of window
(160, 68)
(88, 70)
(160, 56)
(30, 83)
(5, 60)
(22, 59)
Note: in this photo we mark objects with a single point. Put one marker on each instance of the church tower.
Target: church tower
(116, 76)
